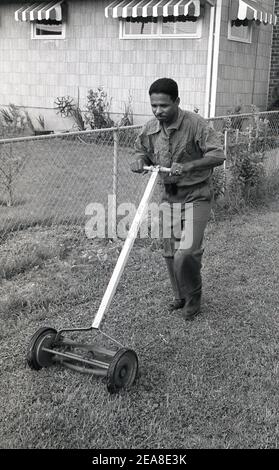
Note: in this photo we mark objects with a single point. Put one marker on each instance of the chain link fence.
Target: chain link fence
(53, 179)
(258, 131)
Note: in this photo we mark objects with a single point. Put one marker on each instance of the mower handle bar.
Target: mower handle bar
(160, 169)
(128, 244)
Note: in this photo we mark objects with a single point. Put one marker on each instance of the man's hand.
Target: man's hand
(137, 166)
(178, 169)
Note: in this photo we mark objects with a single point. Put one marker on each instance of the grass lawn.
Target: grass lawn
(210, 383)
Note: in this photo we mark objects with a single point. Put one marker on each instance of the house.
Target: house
(217, 50)
(274, 66)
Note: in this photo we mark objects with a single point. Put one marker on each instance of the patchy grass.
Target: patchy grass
(25, 258)
(210, 383)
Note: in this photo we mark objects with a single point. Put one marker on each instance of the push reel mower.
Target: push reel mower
(120, 367)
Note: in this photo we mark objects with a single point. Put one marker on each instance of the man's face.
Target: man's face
(163, 107)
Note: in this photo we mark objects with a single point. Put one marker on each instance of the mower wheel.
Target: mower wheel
(122, 370)
(36, 356)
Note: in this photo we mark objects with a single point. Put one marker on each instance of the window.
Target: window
(47, 29)
(242, 33)
(167, 27)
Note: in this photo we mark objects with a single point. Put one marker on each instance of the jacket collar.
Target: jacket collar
(155, 126)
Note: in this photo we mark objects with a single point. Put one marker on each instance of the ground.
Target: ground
(210, 383)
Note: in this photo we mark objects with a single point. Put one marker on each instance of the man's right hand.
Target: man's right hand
(137, 166)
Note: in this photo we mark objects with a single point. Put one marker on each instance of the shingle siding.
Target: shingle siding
(274, 67)
(34, 72)
(243, 71)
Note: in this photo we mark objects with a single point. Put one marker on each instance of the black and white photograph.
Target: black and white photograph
(139, 230)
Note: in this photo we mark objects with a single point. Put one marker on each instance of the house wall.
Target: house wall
(34, 72)
(243, 71)
(274, 66)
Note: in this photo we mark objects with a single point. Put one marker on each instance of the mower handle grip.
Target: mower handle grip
(160, 169)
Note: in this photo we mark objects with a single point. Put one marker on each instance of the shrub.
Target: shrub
(98, 106)
(10, 165)
(218, 182)
(234, 121)
(127, 137)
(247, 177)
(66, 107)
(13, 121)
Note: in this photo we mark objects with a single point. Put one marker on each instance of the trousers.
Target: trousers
(186, 212)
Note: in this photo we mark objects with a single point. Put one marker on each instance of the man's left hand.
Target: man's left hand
(177, 169)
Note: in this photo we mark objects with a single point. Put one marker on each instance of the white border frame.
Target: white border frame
(122, 34)
(231, 37)
(48, 37)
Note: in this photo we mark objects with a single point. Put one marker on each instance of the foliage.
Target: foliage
(247, 148)
(127, 137)
(10, 165)
(30, 122)
(249, 139)
(97, 109)
(13, 121)
(127, 118)
(218, 182)
(41, 121)
(233, 121)
(97, 116)
(247, 175)
(66, 107)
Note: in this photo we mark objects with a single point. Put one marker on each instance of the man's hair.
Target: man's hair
(165, 85)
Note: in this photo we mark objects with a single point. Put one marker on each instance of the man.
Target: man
(184, 142)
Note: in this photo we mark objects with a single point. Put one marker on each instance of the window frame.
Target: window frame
(50, 36)
(231, 37)
(124, 36)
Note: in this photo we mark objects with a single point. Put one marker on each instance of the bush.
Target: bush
(14, 122)
(218, 182)
(247, 177)
(97, 116)
(67, 107)
(10, 166)
(247, 182)
(98, 106)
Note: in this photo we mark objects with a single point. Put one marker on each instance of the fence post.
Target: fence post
(224, 164)
(225, 147)
(250, 136)
(265, 132)
(236, 136)
(114, 184)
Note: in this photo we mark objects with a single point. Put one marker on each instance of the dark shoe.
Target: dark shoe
(176, 304)
(192, 307)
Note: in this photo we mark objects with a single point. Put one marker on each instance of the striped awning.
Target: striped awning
(242, 10)
(40, 11)
(153, 8)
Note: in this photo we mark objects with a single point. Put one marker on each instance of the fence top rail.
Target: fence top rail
(62, 134)
(56, 135)
(219, 118)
